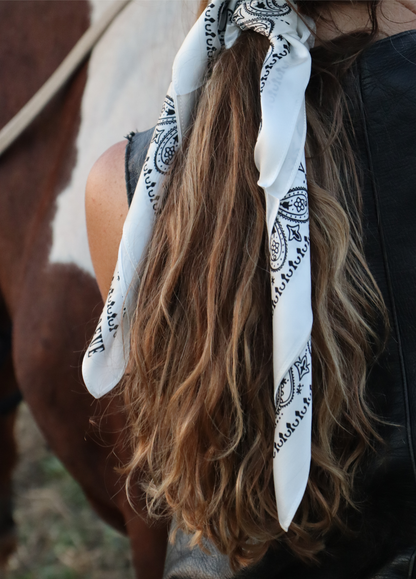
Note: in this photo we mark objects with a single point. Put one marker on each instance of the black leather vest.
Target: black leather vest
(382, 544)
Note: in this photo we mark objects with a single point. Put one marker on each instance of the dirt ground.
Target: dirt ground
(59, 535)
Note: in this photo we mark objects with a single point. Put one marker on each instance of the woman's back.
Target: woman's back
(382, 95)
(382, 543)
(381, 539)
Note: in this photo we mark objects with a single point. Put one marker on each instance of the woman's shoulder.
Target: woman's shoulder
(106, 210)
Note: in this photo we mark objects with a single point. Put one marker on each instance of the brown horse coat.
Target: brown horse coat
(48, 294)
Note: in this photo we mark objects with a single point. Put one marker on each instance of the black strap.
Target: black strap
(136, 151)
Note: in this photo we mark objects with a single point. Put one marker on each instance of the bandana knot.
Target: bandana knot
(262, 17)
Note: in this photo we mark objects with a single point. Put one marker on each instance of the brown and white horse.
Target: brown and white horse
(49, 301)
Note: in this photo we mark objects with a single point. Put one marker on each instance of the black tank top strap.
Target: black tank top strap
(136, 150)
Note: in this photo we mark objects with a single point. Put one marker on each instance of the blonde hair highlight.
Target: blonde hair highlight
(199, 392)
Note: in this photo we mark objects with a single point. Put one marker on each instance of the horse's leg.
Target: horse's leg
(9, 398)
(50, 333)
(8, 458)
(148, 540)
(148, 547)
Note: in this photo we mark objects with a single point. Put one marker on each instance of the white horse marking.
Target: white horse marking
(128, 75)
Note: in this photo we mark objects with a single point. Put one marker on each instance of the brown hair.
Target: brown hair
(199, 393)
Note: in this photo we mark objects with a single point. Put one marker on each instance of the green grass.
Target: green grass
(60, 537)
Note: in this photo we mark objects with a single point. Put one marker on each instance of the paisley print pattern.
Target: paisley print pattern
(295, 390)
(285, 393)
(260, 15)
(278, 246)
(294, 206)
(165, 137)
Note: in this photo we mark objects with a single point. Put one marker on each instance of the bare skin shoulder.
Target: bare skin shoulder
(106, 210)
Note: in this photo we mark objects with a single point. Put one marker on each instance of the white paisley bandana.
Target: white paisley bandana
(280, 159)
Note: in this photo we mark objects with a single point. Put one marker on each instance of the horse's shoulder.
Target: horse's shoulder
(106, 210)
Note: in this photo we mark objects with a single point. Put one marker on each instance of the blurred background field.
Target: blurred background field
(59, 535)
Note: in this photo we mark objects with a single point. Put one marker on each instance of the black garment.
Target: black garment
(136, 151)
(383, 542)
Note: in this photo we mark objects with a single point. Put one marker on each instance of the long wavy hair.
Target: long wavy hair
(199, 391)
